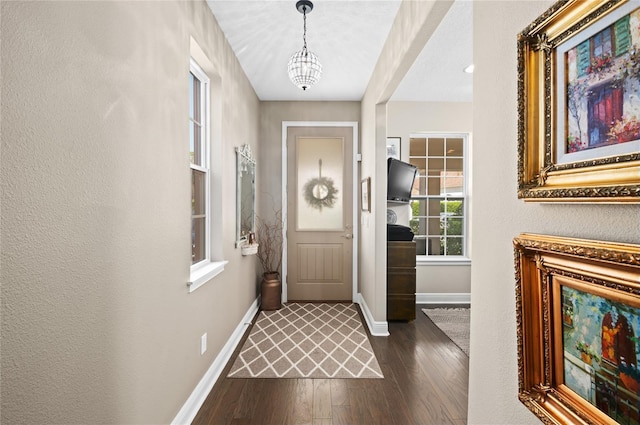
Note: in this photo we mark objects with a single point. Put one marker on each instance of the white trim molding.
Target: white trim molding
(443, 298)
(426, 260)
(205, 273)
(375, 328)
(190, 408)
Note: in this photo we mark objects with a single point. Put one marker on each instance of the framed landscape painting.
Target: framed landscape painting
(578, 317)
(578, 102)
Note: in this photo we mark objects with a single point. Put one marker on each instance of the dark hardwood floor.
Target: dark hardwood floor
(425, 383)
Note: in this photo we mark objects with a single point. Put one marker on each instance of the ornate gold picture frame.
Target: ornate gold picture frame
(578, 329)
(578, 103)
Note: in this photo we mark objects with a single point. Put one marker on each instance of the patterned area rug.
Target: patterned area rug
(307, 341)
(454, 322)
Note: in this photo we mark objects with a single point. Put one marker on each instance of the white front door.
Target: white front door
(319, 214)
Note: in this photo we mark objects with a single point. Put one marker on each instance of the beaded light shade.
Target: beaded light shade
(304, 67)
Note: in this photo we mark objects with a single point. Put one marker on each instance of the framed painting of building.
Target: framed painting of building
(578, 324)
(578, 103)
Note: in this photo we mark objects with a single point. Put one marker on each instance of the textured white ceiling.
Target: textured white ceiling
(347, 36)
(438, 74)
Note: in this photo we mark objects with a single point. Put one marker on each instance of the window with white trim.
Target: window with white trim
(199, 160)
(439, 195)
(205, 152)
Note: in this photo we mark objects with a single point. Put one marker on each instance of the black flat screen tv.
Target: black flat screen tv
(400, 177)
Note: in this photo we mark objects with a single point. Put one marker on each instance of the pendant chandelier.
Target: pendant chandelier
(304, 67)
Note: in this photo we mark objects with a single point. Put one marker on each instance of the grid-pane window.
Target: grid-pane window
(438, 198)
(198, 149)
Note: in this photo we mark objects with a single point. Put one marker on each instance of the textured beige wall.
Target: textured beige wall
(272, 114)
(406, 118)
(498, 215)
(415, 22)
(97, 324)
(443, 279)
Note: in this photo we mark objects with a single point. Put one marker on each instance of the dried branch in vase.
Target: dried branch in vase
(269, 237)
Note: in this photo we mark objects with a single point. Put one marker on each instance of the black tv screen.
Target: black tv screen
(400, 176)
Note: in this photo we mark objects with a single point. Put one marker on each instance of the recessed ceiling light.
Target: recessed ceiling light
(469, 69)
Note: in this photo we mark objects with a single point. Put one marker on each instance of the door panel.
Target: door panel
(320, 263)
(319, 228)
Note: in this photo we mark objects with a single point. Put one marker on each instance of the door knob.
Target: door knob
(348, 236)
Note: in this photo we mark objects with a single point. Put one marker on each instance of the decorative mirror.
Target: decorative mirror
(245, 194)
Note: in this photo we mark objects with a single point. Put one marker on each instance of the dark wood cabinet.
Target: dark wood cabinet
(401, 280)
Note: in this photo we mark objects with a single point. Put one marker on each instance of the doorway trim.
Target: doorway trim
(356, 191)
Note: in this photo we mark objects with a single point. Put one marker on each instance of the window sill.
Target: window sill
(203, 274)
(423, 260)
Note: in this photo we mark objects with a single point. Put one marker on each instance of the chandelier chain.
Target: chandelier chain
(304, 33)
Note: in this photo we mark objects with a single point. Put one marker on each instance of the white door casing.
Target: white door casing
(319, 229)
(353, 181)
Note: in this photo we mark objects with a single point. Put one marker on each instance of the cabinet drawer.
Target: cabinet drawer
(401, 281)
(401, 254)
(401, 307)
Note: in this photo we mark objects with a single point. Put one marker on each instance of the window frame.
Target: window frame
(445, 259)
(205, 269)
(203, 167)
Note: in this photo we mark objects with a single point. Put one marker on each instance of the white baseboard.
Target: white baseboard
(443, 298)
(375, 328)
(190, 408)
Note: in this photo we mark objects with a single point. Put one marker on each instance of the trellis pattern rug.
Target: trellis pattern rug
(454, 322)
(307, 340)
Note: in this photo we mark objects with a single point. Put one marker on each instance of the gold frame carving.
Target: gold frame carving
(611, 179)
(543, 264)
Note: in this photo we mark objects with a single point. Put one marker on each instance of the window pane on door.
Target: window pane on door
(320, 191)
